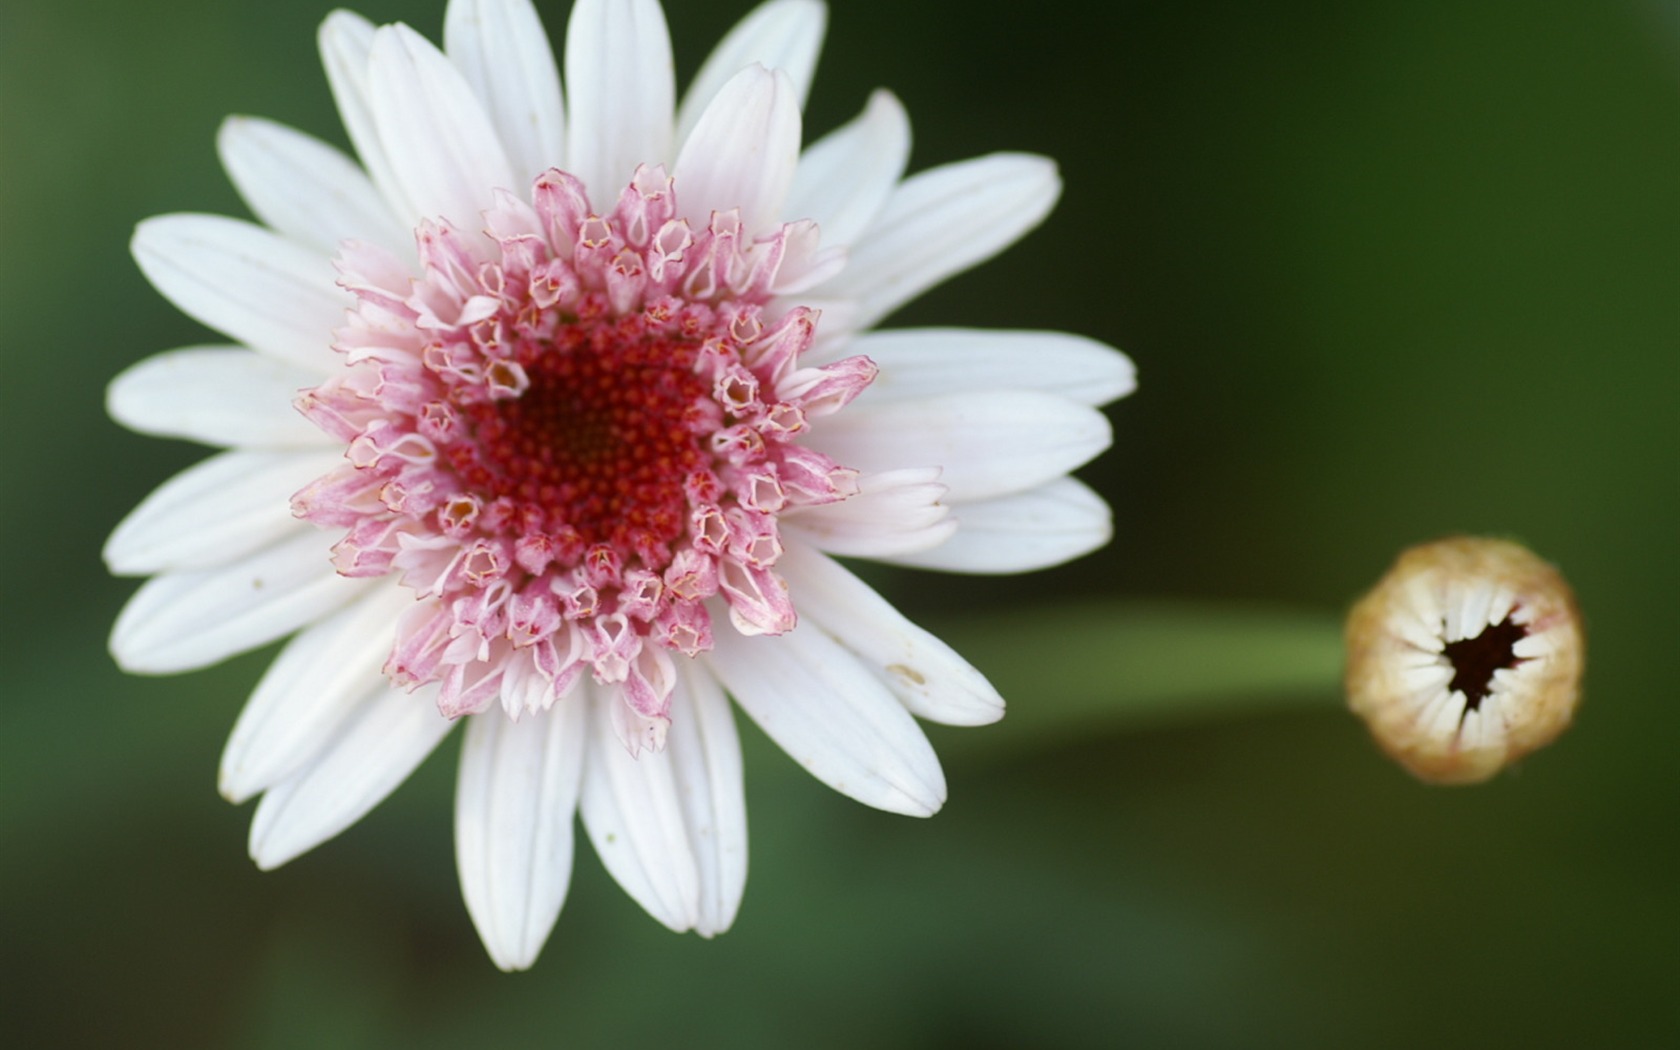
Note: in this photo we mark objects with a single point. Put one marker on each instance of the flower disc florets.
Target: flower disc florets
(569, 433)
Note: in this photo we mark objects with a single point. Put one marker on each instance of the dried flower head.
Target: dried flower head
(1465, 657)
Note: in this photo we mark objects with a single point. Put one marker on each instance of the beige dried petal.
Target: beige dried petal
(1465, 657)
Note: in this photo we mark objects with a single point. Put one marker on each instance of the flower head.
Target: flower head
(1465, 657)
(549, 417)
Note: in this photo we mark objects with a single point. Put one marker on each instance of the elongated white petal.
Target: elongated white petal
(845, 178)
(502, 50)
(987, 443)
(1045, 526)
(671, 825)
(743, 152)
(892, 513)
(303, 187)
(181, 621)
(217, 395)
(223, 508)
(514, 801)
(923, 362)
(345, 41)
(942, 221)
(319, 679)
(705, 754)
(620, 89)
(245, 282)
(781, 34)
(867, 538)
(926, 675)
(375, 749)
(826, 710)
(633, 811)
(444, 153)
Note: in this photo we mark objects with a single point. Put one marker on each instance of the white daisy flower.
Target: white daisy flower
(586, 400)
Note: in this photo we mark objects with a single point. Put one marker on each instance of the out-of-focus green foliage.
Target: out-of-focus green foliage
(1389, 271)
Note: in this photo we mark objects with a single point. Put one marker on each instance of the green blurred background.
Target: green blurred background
(1389, 271)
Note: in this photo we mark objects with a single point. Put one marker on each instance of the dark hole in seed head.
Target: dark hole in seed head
(1475, 659)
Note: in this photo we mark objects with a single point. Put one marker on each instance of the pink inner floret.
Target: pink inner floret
(570, 432)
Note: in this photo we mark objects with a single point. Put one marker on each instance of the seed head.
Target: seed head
(1464, 658)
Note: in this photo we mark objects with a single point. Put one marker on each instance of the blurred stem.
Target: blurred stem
(1108, 666)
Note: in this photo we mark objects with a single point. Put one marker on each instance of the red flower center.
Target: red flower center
(600, 443)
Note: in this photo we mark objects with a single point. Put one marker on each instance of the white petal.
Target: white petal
(502, 50)
(926, 675)
(217, 395)
(621, 88)
(705, 754)
(988, 443)
(246, 282)
(635, 817)
(376, 749)
(742, 153)
(319, 679)
(444, 153)
(303, 187)
(923, 362)
(821, 706)
(942, 221)
(892, 513)
(847, 175)
(781, 34)
(1046, 526)
(223, 508)
(1496, 728)
(514, 802)
(186, 620)
(1477, 602)
(345, 41)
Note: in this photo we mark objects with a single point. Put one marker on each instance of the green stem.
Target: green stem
(1116, 665)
